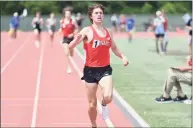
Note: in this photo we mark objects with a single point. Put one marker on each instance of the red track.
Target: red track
(36, 91)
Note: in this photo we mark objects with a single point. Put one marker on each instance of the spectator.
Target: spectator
(15, 23)
(130, 27)
(189, 27)
(159, 31)
(175, 76)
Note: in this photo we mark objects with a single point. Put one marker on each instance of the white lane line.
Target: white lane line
(14, 55)
(35, 107)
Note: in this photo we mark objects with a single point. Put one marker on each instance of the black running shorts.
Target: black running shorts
(67, 40)
(159, 35)
(95, 74)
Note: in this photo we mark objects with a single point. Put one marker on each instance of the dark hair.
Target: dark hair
(92, 7)
(68, 8)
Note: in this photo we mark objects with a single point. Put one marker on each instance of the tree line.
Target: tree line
(126, 7)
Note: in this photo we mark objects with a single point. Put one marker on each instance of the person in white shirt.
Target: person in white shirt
(159, 31)
(37, 24)
(51, 26)
(114, 22)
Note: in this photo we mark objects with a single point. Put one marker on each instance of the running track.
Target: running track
(37, 92)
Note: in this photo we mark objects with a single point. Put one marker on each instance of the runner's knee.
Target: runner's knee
(107, 98)
(93, 105)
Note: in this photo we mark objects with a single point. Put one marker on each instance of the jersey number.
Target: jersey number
(95, 44)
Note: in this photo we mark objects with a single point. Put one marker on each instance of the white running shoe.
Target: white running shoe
(37, 44)
(105, 112)
(69, 70)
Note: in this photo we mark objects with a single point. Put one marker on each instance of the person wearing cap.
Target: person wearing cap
(159, 31)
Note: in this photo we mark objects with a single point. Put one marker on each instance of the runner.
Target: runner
(37, 24)
(97, 71)
(51, 25)
(68, 28)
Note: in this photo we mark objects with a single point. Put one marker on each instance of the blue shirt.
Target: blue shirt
(130, 23)
(15, 21)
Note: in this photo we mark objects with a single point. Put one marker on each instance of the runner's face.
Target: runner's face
(38, 15)
(52, 15)
(97, 15)
(67, 14)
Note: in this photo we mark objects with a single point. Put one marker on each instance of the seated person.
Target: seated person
(175, 76)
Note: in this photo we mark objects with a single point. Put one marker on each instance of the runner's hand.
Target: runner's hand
(125, 61)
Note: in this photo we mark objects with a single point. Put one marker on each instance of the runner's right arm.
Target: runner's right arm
(79, 37)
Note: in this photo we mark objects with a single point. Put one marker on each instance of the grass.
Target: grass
(142, 81)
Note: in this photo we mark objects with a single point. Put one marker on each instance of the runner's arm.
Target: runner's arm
(115, 49)
(78, 38)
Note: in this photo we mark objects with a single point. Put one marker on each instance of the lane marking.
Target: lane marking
(35, 107)
(14, 55)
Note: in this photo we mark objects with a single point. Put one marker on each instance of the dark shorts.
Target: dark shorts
(38, 29)
(53, 28)
(114, 24)
(79, 23)
(95, 74)
(159, 35)
(67, 40)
